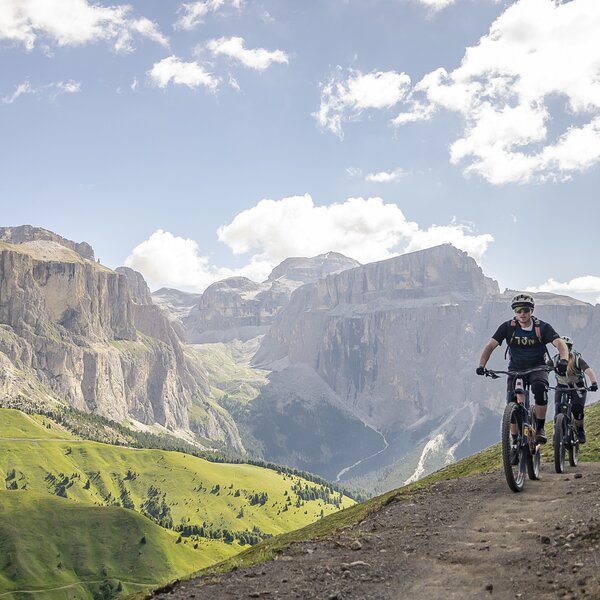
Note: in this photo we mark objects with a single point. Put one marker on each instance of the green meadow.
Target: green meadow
(104, 520)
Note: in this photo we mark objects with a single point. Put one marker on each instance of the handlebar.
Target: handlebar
(564, 388)
(496, 374)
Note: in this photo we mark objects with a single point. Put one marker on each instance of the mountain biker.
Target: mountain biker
(526, 338)
(577, 369)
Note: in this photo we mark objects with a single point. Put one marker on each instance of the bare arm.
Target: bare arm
(562, 348)
(487, 352)
(591, 375)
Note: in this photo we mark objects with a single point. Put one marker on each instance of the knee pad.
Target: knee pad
(539, 393)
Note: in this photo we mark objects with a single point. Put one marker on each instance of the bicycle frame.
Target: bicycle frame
(518, 423)
(565, 438)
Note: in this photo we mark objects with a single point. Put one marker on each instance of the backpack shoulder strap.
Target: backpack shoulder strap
(510, 334)
(538, 328)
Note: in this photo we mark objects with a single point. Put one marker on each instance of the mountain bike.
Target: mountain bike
(520, 452)
(565, 437)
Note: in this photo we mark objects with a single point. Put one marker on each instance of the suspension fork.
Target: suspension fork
(519, 392)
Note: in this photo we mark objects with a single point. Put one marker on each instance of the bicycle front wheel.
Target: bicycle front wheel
(573, 447)
(533, 456)
(559, 443)
(514, 454)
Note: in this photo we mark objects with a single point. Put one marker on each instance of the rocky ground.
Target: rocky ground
(461, 539)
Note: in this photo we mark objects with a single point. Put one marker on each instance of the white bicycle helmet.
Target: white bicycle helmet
(522, 300)
(567, 340)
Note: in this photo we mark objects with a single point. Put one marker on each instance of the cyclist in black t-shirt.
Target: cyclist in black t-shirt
(526, 338)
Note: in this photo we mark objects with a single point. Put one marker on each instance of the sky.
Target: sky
(199, 140)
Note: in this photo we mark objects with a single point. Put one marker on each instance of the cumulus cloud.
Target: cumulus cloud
(257, 58)
(169, 260)
(586, 288)
(539, 64)
(345, 97)
(364, 229)
(174, 70)
(385, 176)
(73, 23)
(192, 13)
(51, 89)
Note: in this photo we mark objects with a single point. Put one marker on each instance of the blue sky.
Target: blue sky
(197, 140)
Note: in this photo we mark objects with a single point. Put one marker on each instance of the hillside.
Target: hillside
(69, 550)
(458, 534)
(58, 488)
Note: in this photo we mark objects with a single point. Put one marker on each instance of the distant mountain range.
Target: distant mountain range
(355, 372)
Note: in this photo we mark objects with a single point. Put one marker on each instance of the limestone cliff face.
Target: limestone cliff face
(27, 233)
(71, 330)
(240, 308)
(386, 337)
(138, 288)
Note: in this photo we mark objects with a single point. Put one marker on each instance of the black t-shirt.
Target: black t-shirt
(524, 347)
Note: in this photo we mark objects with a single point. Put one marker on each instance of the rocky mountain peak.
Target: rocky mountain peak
(28, 233)
(239, 308)
(231, 285)
(306, 270)
(441, 271)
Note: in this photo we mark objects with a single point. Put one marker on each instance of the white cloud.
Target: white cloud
(436, 5)
(365, 229)
(586, 288)
(234, 84)
(354, 171)
(345, 98)
(257, 58)
(73, 23)
(169, 260)
(538, 65)
(69, 87)
(21, 89)
(460, 236)
(174, 70)
(193, 13)
(51, 89)
(385, 176)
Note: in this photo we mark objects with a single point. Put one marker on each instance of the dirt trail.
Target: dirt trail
(462, 539)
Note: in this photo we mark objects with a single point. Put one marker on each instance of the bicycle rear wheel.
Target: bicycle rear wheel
(573, 447)
(559, 443)
(514, 473)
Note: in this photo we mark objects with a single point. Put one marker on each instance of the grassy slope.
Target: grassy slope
(489, 459)
(48, 542)
(31, 455)
(228, 369)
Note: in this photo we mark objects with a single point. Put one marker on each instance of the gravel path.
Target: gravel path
(462, 539)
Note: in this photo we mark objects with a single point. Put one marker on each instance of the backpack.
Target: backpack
(578, 371)
(513, 325)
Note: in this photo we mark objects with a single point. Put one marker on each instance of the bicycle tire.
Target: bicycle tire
(515, 474)
(559, 443)
(573, 448)
(533, 458)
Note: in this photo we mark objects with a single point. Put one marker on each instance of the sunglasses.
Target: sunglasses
(522, 309)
